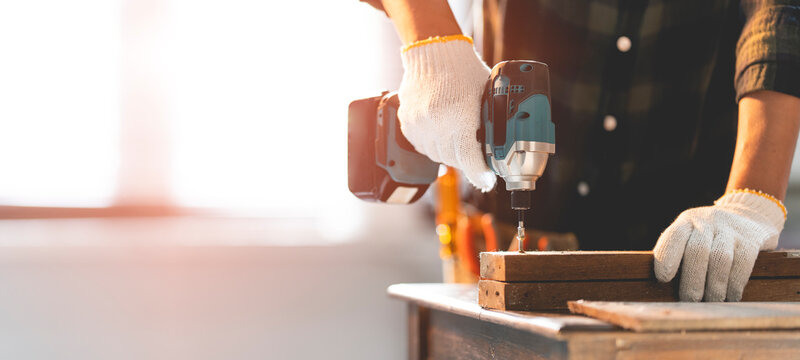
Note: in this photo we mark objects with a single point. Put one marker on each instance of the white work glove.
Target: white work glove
(440, 102)
(719, 245)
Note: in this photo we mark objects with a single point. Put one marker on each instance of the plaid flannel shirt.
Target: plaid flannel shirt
(644, 102)
(645, 125)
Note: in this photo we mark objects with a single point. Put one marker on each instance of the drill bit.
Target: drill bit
(521, 230)
(521, 201)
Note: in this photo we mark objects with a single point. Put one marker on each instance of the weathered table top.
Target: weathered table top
(455, 326)
(462, 299)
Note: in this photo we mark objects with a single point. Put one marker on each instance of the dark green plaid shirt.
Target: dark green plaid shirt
(644, 99)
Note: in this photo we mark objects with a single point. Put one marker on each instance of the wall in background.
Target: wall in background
(301, 287)
(149, 301)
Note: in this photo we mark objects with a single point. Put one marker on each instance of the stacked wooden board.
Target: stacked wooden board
(548, 280)
(683, 316)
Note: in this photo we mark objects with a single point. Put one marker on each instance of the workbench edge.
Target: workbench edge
(441, 297)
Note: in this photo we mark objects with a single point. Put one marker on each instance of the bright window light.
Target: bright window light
(258, 94)
(59, 102)
(238, 105)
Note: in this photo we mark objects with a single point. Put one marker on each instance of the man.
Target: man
(646, 121)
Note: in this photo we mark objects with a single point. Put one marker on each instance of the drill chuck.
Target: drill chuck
(520, 200)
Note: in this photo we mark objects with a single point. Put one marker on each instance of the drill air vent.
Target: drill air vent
(515, 89)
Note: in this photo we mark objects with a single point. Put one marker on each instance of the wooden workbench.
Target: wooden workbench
(446, 322)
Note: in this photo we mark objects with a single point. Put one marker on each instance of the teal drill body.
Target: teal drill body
(517, 135)
(538, 127)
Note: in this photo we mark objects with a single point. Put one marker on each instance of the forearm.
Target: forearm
(420, 19)
(767, 134)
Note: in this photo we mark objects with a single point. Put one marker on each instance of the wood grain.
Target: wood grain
(452, 332)
(629, 345)
(682, 316)
(607, 265)
(462, 299)
(554, 295)
(452, 336)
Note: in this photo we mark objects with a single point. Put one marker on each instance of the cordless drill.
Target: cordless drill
(516, 131)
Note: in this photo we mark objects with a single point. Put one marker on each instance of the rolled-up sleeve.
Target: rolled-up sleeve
(768, 51)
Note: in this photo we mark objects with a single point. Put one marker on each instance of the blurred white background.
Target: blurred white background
(231, 115)
(228, 117)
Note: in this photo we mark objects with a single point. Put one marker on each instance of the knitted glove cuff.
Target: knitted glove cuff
(758, 202)
(437, 39)
(443, 55)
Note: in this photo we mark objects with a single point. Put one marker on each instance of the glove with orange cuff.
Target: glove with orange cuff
(716, 246)
(440, 98)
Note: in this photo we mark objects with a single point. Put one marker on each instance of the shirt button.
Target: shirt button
(583, 188)
(623, 43)
(609, 123)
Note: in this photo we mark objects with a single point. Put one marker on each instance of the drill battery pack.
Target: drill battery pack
(382, 166)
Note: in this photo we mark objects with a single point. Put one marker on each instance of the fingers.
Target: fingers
(744, 257)
(719, 266)
(695, 264)
(670, 248)
(485, 181)
(470, 159)
(771, 243)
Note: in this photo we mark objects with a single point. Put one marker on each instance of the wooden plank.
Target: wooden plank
(462, 299)
(780, 263)
(452, 336)
(683, 316)
(566, 265)
(453, 332)
(625, 345)
(607, 265)
(554, 295)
